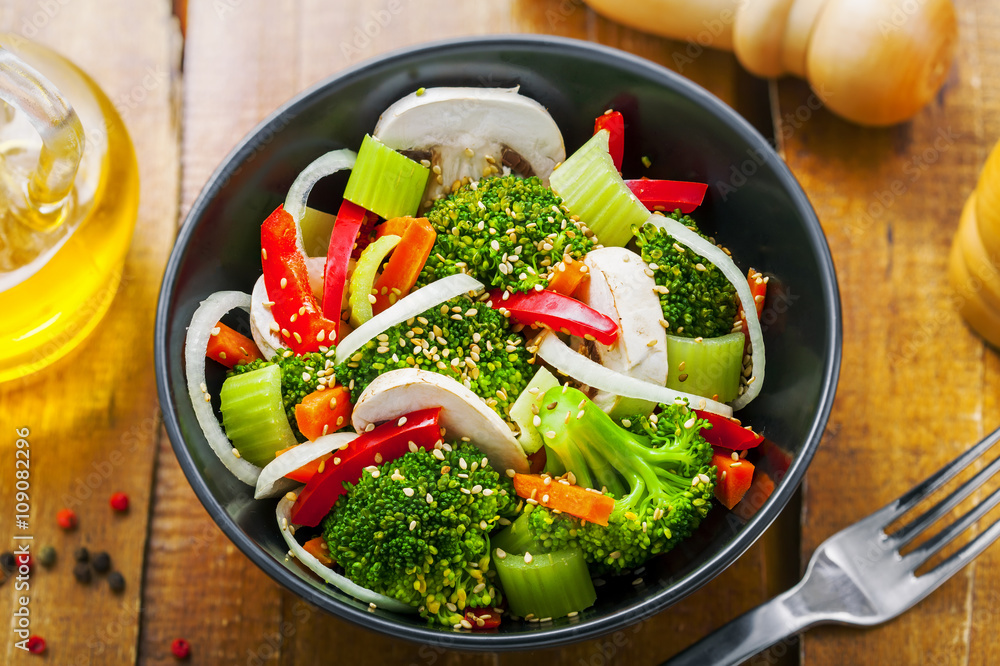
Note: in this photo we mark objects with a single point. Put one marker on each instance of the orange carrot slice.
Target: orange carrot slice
(231, 348)
(732, 477)
(567, 276)
(318, 548)
(323, 412)
(406, 262)
(577, 501)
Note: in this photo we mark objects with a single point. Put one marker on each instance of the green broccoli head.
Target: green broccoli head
(418, 531)
(462, 339)
(300, 376)
(505, 231)
(698, 300)
(658, 469)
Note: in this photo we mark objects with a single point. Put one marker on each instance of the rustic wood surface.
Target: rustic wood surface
(917, 387)
(93, 417)
(908, 360)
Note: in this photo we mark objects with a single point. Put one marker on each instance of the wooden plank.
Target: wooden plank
(231, 84)
(93, 416)
(911, 389)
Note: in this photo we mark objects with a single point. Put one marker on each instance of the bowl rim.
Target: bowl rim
(556, 636)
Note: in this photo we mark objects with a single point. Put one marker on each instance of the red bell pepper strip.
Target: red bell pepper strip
(727, 433)
(482, 619)
(732, 477)
(615, 124)
(558, 312)
(387, 441)
(231, 348)
(668, 195)
(302, 325)
(758, 289)
(350, 218)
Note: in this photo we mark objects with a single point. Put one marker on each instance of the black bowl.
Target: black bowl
(754, 206)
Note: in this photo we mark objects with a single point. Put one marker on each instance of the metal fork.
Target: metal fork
(858, 576)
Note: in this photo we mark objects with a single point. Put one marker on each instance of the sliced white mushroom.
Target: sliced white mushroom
(620, 288)
(262, 325)
(469, 133)
(463, 413)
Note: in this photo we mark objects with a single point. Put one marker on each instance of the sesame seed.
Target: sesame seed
(615, 555)
(369, 427)
(429, 498)
(298, 338)
(413, 525)
(528, 558)
(511, 473)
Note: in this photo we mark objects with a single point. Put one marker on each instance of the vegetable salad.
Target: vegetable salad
(510, 372)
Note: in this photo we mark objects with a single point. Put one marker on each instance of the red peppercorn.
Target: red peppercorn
(25, 559)
(66, 518)
(180, 648)
(36, 644)
(119, 502)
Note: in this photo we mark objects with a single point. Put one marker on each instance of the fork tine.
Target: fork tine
(942, 572)
(908, 532)
(912, 497)
(921, 553)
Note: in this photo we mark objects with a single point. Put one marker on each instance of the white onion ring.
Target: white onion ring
(261, 319)
(283, 512)
(418, 302)
(560, 356)
(324, 165)
(699, 245)
(300, 455)
(205, 318)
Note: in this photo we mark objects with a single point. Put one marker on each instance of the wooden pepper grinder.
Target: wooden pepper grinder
(874, 62)
(974, 262)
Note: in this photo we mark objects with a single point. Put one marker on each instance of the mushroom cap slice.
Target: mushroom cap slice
(620, 288)
(461, 127)
(463, 413)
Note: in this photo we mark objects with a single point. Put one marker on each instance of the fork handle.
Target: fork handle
(745, 636)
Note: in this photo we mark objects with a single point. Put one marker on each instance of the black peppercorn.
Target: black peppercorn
(47, 556)
(116, 581)
(82, 573)
(101, 562)
(7, 561)
(81, 554)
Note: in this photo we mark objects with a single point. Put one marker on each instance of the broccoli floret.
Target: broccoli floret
(462, 339)
(418, 531)
(658, 469)
(699, 301)
(294, 383)
(505, 231)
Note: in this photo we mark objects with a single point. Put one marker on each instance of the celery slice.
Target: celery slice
(516, 538)
(386, 182)
(710, 368)
(363, 278)
(592, 188)
(253, 414)
(523, 415)
(316, 227)
(550, 585)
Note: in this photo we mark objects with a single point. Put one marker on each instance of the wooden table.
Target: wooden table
(916, 386)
